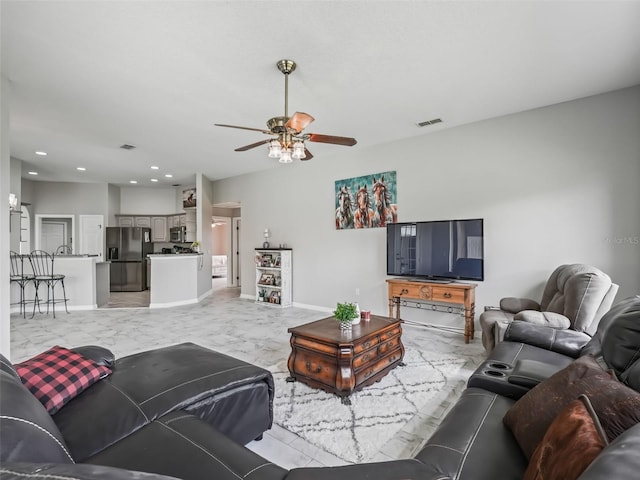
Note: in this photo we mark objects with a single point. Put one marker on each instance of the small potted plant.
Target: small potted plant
(261, 294)
(195, 246)
(345, 313)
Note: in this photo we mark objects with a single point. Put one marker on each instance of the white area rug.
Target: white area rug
(358, 431)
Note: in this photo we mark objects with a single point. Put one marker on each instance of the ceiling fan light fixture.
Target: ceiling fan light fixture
(275, 149)
(285, 156)
(298, 150)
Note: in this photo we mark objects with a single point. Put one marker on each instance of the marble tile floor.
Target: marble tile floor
(241, 328)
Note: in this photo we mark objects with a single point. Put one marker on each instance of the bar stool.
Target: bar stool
(20, 278)
(63, 250)
(42, 265)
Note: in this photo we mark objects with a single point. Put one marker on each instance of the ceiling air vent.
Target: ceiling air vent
(126, 146)
(429, 122)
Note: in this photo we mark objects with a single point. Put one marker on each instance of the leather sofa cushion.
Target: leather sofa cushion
(394, 470)
(172, 378)
(204, 452)
(621, 339)
(472, 442)
(516, 305)
(27, 432)
(619, 460)
(572, 442)
(147, 385)
(566, 342)
(617, 406)
(510, 352)
(548, 319)
(61, 471)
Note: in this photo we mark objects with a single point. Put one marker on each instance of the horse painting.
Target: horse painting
(385, 211)
(344, 212)
(364, 214)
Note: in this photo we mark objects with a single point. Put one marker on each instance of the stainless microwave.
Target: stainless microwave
(177, 234)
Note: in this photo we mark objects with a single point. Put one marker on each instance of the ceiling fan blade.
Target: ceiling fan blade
(308, 155)
(346, 141)
(243, 128)
(253, 145)
(299, 121)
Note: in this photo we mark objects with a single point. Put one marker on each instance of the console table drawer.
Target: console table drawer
(450, 295)
(411, 291)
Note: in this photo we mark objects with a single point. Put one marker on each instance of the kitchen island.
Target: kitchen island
(86, 282)
(178, 279)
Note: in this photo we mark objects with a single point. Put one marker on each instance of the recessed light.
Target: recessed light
(82, 169)
(133, 181)
(41, 153)
(154, 179)
(33, 173)
(155, 167)
(168, 175)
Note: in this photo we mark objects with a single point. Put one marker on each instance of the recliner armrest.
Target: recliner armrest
(565, 342)
(100, 355)
(516, 305)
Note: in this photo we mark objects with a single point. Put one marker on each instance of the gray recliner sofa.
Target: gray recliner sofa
(575, 297)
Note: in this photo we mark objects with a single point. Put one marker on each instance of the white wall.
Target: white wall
(149, 201)
(554, 185)
(204, 190)
(5, 324)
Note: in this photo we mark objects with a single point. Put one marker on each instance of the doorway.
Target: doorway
(53, 231)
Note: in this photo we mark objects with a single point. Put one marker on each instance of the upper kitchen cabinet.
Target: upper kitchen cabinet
(144, 222)
(190, 223)
(159, 230)
(125, 221)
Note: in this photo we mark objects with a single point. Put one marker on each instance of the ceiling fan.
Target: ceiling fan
(289, 141)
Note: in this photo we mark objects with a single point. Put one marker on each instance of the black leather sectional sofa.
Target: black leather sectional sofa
(183, 434)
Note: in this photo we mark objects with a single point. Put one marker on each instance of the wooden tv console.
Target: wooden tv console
(462, 295)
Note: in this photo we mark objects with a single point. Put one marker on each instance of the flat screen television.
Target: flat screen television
(436, 250)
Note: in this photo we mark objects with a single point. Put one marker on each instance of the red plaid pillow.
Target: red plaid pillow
(58, 375)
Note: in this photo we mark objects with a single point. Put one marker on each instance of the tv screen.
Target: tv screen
(443, 249)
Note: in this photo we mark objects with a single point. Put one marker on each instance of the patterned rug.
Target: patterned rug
(358, 431)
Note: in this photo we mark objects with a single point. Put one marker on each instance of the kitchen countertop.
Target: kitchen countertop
(174, 254)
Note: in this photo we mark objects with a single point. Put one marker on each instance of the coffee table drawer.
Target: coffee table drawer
(385, 362)
(316, 367)
(373, 354)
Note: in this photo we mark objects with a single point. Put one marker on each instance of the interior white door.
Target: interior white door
(53, 235)
(92, 235)
(234, 276)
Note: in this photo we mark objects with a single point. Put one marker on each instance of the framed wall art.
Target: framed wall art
(369, 201)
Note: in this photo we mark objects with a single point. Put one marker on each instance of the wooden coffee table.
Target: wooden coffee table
(326, 357)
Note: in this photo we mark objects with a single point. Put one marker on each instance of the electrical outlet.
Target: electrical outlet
(357, 291)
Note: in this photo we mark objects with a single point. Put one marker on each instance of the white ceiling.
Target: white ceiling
(87, 77)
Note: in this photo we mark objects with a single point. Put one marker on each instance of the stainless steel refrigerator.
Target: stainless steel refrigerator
(127, 250)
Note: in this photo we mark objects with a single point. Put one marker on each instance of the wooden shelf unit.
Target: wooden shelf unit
(274, 264)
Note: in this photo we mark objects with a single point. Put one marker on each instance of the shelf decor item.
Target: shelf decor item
(266, 234)
(345, 313)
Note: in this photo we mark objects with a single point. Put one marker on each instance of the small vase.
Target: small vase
(345, 326)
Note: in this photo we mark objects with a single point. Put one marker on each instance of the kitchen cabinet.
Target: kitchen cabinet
(190, 223)
(125, 221)
(144, 222)
(159, 230)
